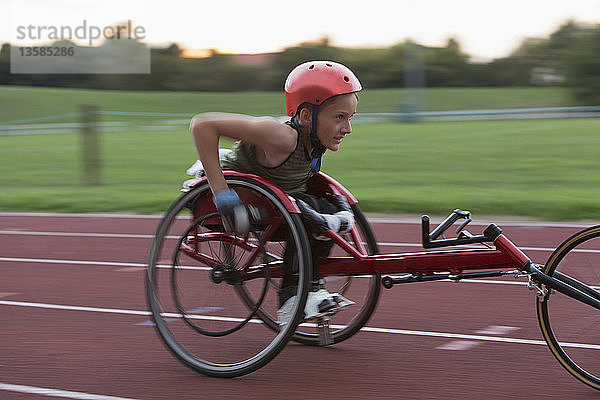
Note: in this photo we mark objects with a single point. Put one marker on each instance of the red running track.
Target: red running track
(72, 300)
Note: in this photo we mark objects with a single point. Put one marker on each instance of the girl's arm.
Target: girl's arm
(266, 133)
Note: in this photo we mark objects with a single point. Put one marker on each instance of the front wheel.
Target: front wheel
(570, 327)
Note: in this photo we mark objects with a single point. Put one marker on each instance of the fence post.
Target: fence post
(414, 81)
(90, 145)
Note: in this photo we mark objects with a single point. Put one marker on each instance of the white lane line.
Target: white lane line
(416, 220)
(472, 337)
(77, 262)
(500, 223)
(96, 263)
(57, 392)
(79, 215)
(524, 248)
(469, 344)
(73, 308)
(458, 345)
(143, 266)
(78, 234)
(497, 330)
(147, 236)
(365, 329)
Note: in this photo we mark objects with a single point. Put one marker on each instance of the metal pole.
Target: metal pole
(414, 80)
(90, 145)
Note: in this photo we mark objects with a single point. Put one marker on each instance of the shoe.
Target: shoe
(341, 301)
(318, 304)
(284, 314)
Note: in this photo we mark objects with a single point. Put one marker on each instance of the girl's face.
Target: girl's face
(333, 121)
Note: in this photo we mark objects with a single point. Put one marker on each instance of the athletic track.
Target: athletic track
(72, 309)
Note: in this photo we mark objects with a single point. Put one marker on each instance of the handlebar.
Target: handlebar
(430, 239)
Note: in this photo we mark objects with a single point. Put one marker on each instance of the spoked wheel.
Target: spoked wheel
(227, 256)
(570, 327)
(209, 290)
(363, 290)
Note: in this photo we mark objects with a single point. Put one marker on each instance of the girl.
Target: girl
(320, 96)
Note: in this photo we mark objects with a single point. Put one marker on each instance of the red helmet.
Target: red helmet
(315, 81)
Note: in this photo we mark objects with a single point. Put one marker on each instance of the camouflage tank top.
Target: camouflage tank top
(291, 175)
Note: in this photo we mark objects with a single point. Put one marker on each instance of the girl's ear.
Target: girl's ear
(305, 116)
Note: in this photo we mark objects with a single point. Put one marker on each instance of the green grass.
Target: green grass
(141, 171)
(25, 102)
(542, 169)
(546, 169)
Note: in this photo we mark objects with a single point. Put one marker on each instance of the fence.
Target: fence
(170, 121)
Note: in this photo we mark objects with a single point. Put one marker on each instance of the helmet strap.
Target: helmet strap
(317, 146)
(315, 114)
(297, 122)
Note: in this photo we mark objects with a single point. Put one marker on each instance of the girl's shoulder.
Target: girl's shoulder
(283, 136)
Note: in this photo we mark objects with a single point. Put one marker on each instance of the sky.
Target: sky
(485, 29)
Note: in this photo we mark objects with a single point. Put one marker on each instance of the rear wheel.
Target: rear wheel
(209, 291)
(570, 327)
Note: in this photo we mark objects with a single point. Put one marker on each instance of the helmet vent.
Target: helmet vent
(329, 65)
(311, 67)
(317, 100)
(346, 79)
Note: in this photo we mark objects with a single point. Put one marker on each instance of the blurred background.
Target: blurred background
(487, 107)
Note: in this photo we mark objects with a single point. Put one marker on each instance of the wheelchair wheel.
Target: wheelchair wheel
(209, 291)
(568, 325)
(363, 290)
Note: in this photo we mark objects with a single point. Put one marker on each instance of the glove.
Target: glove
(339, 222)
(233, 212)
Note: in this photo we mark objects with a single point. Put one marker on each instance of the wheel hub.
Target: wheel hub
(220, 273)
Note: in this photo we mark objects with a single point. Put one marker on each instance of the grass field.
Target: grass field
(24, 102)
(545, 169)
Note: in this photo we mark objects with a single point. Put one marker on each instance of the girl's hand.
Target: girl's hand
(233, 212)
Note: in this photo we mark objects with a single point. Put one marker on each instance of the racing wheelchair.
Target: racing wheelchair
(213, 295)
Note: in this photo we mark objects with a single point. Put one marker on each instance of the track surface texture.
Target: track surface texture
(75, 325)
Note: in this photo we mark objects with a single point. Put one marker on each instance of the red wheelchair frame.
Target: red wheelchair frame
(504, 258)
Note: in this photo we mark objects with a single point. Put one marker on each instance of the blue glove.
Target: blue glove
(233, 212)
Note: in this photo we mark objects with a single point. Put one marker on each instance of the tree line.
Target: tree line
(569, 57)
